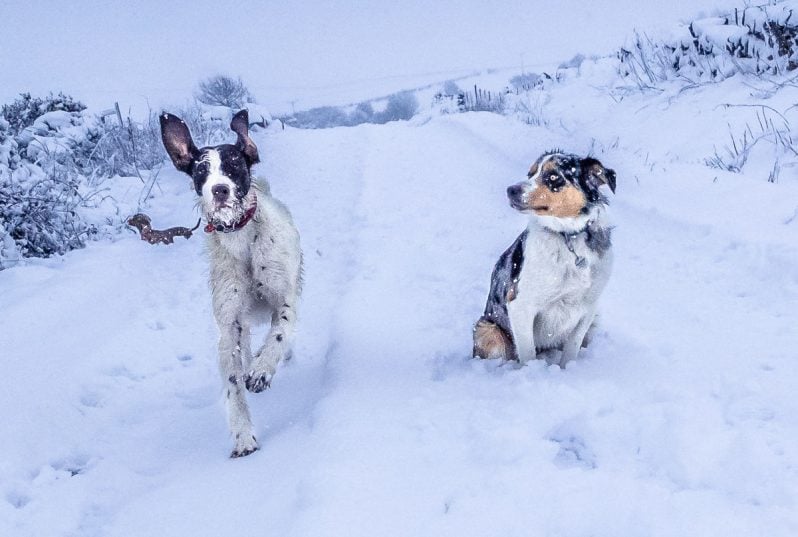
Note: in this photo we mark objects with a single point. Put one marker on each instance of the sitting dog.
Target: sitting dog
(545, 287)
(255, 259)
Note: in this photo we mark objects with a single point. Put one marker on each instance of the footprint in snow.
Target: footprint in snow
(91, 399)
(573, 449)
(17, 500)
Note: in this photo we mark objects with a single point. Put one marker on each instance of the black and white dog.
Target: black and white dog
(545, 287)
(255, 259)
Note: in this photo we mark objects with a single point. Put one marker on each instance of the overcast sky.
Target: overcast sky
(312, 51)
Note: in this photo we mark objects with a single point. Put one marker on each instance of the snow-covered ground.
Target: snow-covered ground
(680, 419)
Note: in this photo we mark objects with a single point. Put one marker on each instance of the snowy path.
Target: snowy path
(679, 420)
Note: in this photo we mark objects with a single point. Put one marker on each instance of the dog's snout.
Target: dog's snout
(514, 191)
(516, 194)
(220, 192)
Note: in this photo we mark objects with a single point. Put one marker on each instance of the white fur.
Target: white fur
(226, 215)
(555, 304)
(254, 271)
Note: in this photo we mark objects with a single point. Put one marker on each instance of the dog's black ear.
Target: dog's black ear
(240, 126)
(595, 174)
(178, 143)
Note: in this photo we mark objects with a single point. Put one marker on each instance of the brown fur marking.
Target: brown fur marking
(567, 202)
(548, 166)
(490, 341)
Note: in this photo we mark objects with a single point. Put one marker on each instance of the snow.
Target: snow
(680, 419)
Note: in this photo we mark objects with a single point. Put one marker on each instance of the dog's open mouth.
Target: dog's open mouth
(541, 208)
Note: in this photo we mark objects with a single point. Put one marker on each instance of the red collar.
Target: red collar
(210, 228)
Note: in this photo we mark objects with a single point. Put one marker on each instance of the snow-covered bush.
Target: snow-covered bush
(401, 106)
(222, 90)
(758, 40)
(41, 186)
(9, 159)
(38, 211)
(363, 113)
(23, 111)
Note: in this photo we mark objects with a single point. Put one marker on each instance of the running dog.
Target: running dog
(545, 287)
(255, 262)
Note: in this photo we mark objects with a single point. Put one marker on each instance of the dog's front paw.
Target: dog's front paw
(257, 381)
(246, 444)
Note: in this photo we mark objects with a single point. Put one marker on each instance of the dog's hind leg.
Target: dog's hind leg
(491, 342)
(275, 348)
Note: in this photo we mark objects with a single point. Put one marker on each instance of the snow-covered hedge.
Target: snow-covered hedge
(759, 40)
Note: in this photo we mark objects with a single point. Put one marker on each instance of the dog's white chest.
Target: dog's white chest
(558, 286)
(237, 245)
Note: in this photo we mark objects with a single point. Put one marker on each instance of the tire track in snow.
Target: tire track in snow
(420, 241)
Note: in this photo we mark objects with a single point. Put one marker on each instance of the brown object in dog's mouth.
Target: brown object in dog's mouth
(541, 208)
(142, 222)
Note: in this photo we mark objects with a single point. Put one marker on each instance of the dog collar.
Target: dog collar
(210, 228)
(579, 261)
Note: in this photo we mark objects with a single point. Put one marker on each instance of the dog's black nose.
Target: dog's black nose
(515, 191)
(220, 192)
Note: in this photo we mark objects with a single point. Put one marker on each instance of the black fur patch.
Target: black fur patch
(503, 282)
(233, 165)
(599, 239)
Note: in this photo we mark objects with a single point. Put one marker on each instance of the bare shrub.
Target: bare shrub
(222, 90)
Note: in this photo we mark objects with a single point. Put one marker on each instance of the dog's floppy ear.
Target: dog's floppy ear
(595, 174)
(240, 126)
(177, 141)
